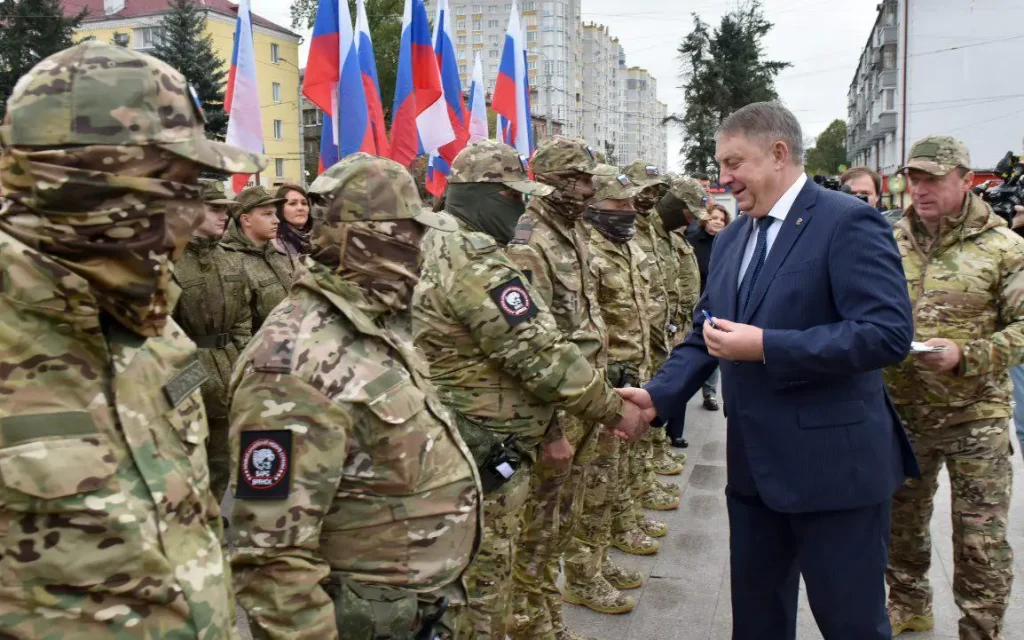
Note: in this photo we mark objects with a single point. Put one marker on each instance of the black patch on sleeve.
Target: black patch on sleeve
(264, 465)
(514, 302)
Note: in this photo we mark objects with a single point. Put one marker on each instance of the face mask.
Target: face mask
(645, 201)
(617, 226)
(482, 206)
(572, 194)
(98, 212)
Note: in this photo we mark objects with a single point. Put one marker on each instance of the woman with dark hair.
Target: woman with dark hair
(293, 234)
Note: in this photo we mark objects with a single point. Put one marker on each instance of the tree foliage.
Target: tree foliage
(385, 18)
(829, 150)
(32, 30)
(187, 46)
(722, 70)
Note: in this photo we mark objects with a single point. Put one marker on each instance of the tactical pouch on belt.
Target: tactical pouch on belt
(480, 440)
(496, 460)
(364, 612)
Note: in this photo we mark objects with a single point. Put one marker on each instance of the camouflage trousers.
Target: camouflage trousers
(548, 523)
(641, 471)
(625, 514)
(593, 535)
(488, 579)
(977, 455)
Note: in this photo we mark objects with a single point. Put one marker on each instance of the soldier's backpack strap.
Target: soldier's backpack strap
(524, 231)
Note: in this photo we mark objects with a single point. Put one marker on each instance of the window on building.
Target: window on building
(462, 69)
(478, 38)
(531, 36)
(148, 37)
(889, 58)
(461, 39)
(492, 38)
(890, 99)
(508, 8)
(279, 167)
(530, 5)
(311, 117)
(461, 54)
(278, 129)
(477, 9)
(492, 8)
(312, 148)
(275, 53)
(532, 65)
(460, 10)
(492, 24)
(476, 25)
(275, 90)
(493, 53)
(460, 24)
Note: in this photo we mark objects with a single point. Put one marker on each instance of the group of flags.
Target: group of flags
(429, 115)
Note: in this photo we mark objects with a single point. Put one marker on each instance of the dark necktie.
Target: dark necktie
(756, 263)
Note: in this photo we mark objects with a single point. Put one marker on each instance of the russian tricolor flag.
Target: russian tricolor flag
(241, 100)
(334, 83)
(371, 86)
(477, 104)
(444, 48)
(419, 120)
(511, 97)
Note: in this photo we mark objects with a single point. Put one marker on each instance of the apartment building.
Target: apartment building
(643, 136)
(603, 56)
(137, 24)
(933, 66)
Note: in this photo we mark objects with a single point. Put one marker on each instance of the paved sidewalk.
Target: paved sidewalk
(686, 596)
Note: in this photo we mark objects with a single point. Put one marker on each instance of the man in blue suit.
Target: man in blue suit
(808, 303)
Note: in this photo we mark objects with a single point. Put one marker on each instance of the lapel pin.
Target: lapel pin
(799, 221)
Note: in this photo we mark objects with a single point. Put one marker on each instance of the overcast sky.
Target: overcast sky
(823, 40)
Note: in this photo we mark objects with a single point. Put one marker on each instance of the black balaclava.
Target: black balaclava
(482, 206)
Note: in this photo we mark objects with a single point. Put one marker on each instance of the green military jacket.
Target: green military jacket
(687, 289)
(496, 354)
(269, 272)
(966, 285)
(214, 313)
(623, 284)
(345, 461)
(657, 247)
(108, 528)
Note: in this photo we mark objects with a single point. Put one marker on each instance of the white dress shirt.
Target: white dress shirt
(779, 212)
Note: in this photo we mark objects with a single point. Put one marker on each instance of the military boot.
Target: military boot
(599, 596)
(620, 577)
(658, 500)
(665, 465)
(652, 527)
(670, 488)
(636, 543)
(678, 456)
(903, 619)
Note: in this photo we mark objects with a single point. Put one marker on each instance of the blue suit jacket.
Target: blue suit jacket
(812, 427)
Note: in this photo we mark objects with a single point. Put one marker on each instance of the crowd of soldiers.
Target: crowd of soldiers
(409, 415)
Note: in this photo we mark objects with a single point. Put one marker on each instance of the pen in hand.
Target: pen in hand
(707, 316)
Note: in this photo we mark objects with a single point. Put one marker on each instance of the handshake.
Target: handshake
(638, 413)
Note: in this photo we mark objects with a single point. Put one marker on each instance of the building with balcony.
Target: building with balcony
(137, 24)
(643, 136)
(932, 66)
(603, 56)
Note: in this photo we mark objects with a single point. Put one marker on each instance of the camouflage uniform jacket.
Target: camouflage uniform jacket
(498, 365)
(212, 308)
(382, 490)
(623, 282)
(656, 245)
(967, 286)
(108, 528)
(268, 271)
(687, 289)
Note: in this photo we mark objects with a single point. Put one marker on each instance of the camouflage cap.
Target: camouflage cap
(687, 189)
(213, 193)
(96, 93)
(492, 161)
(559, 153)
(368, 188)
(615, 187)
(938, 155)
(645, 174)
(327, 181)
(252, 197)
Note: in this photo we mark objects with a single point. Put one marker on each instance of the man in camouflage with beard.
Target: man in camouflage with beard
(499, 360)
(109, 526)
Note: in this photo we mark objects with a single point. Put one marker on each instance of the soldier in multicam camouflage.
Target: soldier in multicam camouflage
(965, 275)
(357, 504)
(657, 245)
(496, 355)
(213, 313)
(269, 271)
(550, 247)
(109, 526)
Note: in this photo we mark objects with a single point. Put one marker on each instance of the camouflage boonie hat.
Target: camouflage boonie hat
(615, 187)
(568, 154)
(213, 193)
(368, 188)
(96, 93)
(645, 175)
(491, 161)
(328, 180)
(938, 155)
(252, 197)
(694, 196)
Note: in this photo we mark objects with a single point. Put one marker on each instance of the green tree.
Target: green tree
(385, 18)
(32, 30)
(829, 150)
(722, 70)
(187, 46)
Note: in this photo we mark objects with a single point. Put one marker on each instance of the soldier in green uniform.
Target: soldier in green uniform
(965, 278)
(109, 526)
(213, 313)
(550, 247)
(497, 357)
(269, 271)
(357, 504)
